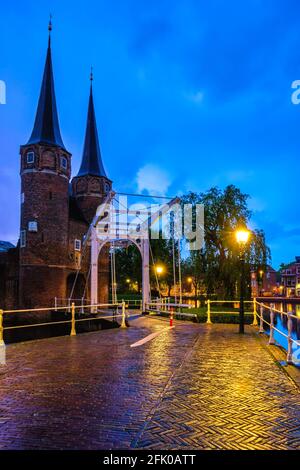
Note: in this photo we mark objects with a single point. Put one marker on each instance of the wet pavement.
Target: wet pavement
(191, 387)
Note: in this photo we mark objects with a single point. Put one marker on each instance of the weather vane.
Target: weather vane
(50, 24)
(91, 75)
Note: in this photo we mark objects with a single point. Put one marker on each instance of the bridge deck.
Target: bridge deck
(193, 387)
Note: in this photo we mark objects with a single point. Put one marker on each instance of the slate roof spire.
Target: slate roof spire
(46, 126)
(91, 163)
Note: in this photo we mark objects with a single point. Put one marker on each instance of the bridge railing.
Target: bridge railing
(262, 307)
(210, 312)
(165, 306)
(119, 311)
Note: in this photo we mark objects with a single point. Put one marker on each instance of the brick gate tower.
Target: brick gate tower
(55, 215)
(45, 173)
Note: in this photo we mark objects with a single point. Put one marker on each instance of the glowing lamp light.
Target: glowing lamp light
(242, 236)
(189, 279)
(159, 269)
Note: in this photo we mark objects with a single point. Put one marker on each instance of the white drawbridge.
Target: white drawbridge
(115, 224)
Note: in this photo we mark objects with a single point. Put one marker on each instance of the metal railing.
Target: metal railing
(289, 316)
(66, 302)
(164, 305)
(93, 309)
(134, 303)
(209, 310)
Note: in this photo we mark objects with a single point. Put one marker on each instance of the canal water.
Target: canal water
(281, 325)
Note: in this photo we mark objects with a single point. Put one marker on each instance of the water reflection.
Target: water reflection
(281, 322)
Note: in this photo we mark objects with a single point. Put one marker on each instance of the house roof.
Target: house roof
(5, 246)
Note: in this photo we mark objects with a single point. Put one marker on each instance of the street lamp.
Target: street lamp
(261, 275)
(159, 269)
(242, 237)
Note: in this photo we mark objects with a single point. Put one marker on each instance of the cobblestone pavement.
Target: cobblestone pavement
(193, 387)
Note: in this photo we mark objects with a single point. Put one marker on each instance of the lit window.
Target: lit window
(63, 163)
(77, 245)
(23, 238)
(30, 157)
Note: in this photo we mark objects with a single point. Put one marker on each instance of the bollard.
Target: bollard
(261, 320)
(1, 329)
(208, 313)
(254, 323)
(289, 358)
(73, 329)
(123, 324)
(271, 339)
(171, 317)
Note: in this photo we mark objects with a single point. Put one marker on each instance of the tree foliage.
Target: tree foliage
(225, 212)
(215, 268)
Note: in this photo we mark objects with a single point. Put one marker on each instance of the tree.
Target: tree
(225, 211)
(128, 266)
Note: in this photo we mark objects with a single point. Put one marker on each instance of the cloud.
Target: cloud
(153, 179)
(195, 97)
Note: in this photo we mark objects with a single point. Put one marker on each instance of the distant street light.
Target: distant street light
(242, 237)
(261, 275)
(159, 269)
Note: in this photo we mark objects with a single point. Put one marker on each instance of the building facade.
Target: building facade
(290, 279)
(264, 283)
(56, 211)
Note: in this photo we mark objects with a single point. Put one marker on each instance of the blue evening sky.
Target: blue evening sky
(188, 94)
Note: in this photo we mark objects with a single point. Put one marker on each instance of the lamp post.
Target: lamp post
(190, 281)
(242, 237)
(261, 276)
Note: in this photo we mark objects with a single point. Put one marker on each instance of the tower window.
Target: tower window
(50, 195)
(63, 163)
(22, 198)
(30, 157)
(106, 188)
(32, 226)
(77, 245)
(23, 238)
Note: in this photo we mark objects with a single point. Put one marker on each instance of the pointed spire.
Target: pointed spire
(49, 29)
(91, 163)
(46, 126)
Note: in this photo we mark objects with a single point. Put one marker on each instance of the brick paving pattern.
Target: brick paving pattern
(193, 387)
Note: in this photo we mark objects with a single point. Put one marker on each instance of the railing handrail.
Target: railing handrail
(163, 304)
(227, 301)
(64, 307)
(277, 311)
(72, 321)
(288, 336)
